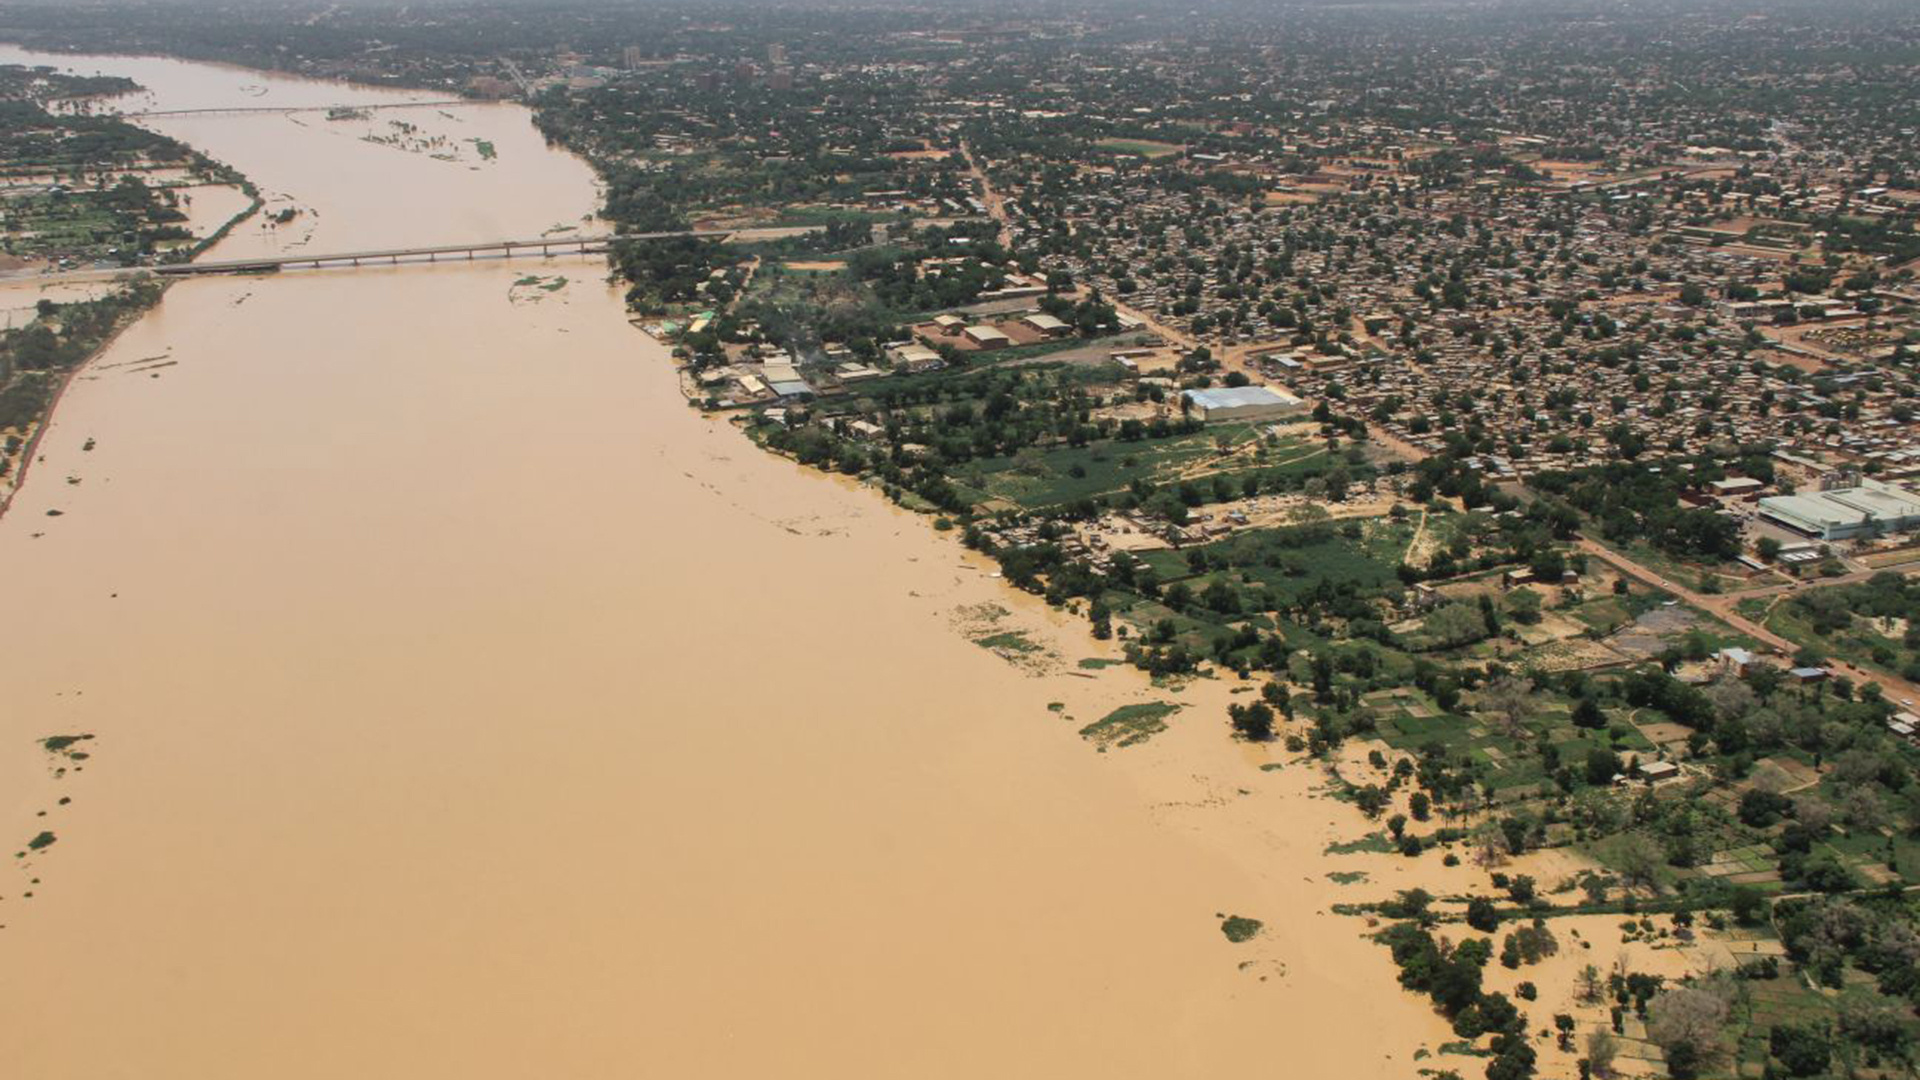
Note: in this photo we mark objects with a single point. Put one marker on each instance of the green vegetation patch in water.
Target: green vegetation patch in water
(62, 744)
(1239, 928)
(1129, 724)
(1009, 641)
(1372, 843)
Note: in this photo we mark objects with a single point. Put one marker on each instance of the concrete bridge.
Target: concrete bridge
(539, 246)
(244, 110)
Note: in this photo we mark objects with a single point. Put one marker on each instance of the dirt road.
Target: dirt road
(1723, 607)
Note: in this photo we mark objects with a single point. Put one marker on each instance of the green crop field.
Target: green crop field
(1144, 147)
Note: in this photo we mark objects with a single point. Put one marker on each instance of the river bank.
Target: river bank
(454, 686)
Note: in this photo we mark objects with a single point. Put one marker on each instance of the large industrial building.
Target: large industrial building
(1243, 403)
(1869, 508)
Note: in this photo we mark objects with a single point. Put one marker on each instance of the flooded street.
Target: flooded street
(464, 704)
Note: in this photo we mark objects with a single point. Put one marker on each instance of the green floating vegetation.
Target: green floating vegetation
(1129, 724)
(63, 744)
(1096, 663)
(485, 149)
(1377, 843)
(1239, 928)
(1009, 641)
(44, 840)
(1347, 877)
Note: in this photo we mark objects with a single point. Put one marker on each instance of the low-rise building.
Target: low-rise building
(1243, 403)
(1048, 325)
(1869, 508)
(987, 337)
(916, 358)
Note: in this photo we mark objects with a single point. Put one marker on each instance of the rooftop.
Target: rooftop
(1239, 397)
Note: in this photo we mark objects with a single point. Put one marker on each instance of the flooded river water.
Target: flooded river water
(465, 705)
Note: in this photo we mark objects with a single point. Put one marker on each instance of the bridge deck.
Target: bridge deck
(543, 245)
(245, 109)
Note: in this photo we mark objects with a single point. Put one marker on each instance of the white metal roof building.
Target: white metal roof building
(1243, 403)
(1868, 509)
(1047, 324)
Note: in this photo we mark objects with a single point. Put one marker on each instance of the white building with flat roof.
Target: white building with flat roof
(1243, 403)
(1869, 508)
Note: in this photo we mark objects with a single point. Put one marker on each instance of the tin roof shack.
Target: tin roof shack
(1243, 403)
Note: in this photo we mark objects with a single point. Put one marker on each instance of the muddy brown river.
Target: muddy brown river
(465, 705)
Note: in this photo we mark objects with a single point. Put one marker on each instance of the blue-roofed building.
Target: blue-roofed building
(1243, 403)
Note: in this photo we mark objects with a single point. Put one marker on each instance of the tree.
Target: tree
(1748, 905)
(1521, 888)
(1456, 982)
(1587, 714)
(1482, 915)
(1602, 1048)
(1524, 606)
(1370, 799)
(1253, 721)
(1455, 624)
(1639, 862)
(1587, 985)
(1686, 1023)
(1877, 1025)
(1489, 842)
(1803, 1049)
(1102, 618)
(1530, 944)
(1510, 700)
(1513, 1061)
(1760, 808)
